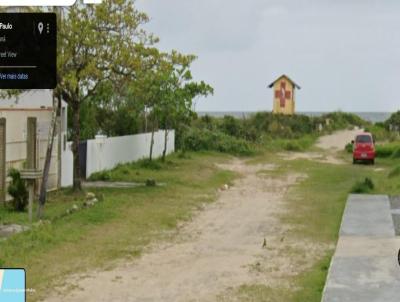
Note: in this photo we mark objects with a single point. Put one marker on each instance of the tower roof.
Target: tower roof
(286, 77)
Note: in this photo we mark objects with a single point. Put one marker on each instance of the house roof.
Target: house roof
(284, 76)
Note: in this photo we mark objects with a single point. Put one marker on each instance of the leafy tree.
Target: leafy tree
(97, 44)
(111, 113)
(177, 97)
(393, 121)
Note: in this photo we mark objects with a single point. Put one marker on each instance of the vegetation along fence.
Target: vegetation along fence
(105, 153)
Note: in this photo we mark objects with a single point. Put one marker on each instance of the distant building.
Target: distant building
(284, 95)
(35, 106)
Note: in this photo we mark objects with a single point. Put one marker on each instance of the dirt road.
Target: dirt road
(214, 252)
(330, 145)
(337, 140)
(219, 250)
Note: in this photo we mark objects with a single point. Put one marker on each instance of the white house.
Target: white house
(36, 105)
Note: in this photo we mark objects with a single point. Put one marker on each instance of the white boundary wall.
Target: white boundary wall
(106, 153)
(67, 165)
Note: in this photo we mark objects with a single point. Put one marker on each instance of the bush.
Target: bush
(231, 126)
(239, 135)
(393, 120)
(17, 191)
(396, 153)
(388, 150)
(100, 176)
(349, 148)
(363, 186)
(394, 172)
(206, 140)
(342, 120)
(282, 126)
(150, 164)
(292, 146)
(379, 132)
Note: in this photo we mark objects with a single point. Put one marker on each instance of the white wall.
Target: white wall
(16, 132)
(67, 160)
(106, 153)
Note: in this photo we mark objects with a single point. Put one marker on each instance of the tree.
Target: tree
(149, 87)
(165, 87)
(393, 122)
(113, 113)
(97, 44)
(180, 90)
(46, 169)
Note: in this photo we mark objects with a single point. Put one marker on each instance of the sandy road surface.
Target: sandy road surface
(212, 253)
(337, 140)
(330, 144)
(217, 250)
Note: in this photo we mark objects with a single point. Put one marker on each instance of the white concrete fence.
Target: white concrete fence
(106, 153)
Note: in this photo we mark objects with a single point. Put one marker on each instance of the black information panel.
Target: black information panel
(28, 50)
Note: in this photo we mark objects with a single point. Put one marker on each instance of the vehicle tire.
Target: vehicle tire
(354, 161)
(372, 161)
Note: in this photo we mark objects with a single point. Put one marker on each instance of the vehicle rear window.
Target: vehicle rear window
(363, 139)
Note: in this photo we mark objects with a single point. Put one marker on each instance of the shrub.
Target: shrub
(17, 191)
(363, 186)
(388, 150)
(292, 146)
(342, 120)
(379, 132)
(394, 172)
(393, 120)
(100, 176)
(349, 148)
(297, 144)
(396, 153)
(282, 126)
(231, 126)
(203, 139)
(150, 164)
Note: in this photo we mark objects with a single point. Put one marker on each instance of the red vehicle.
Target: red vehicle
(364, 148)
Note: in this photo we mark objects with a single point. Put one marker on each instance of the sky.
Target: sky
(345, 54)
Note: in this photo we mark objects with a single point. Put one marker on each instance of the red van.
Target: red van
(364, 148)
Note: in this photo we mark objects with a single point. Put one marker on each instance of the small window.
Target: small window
(364, 139)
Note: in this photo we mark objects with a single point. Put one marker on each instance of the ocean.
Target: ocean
(373, 117)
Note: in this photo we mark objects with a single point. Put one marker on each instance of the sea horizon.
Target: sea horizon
(371, 116)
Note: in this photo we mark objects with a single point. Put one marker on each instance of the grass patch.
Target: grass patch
(100, 176)
(395, 172)
(119, 227)
(256, 293)
(296, 144)
(388, 150)
(363, 187)
(316, 206)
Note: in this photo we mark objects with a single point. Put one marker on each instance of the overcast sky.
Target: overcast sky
(345, 54)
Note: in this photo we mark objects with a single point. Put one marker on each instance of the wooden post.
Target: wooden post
(31, 190)
(31, 144)
(31, 160)
(3, 174)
